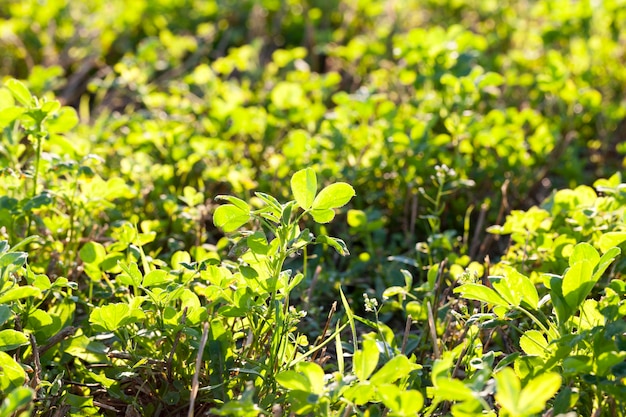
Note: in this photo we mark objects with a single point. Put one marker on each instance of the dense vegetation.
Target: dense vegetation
(308, 207)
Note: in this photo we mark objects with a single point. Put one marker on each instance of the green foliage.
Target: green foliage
(168, 197)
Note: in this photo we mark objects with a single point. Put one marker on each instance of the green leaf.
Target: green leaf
(365, 360)
(92, 253)
(577, 365)
(350, 315)
(6, 99)
(508, 390)
(64, 120)
(38, 320)
(42, 282)
(333, 196)
(239, 203)
(398, 367)
(272, 203)
(584, 252)
(449, 389)
(360, 394)
(607, 360)
(257, 242)
(15, 400)
(133, 274)
(537, 392)
(611, 239)
(18, 293)
(338, 244)
(287, 95)
(9, 115)
(12, 375)
(230, 217)
(11, 339)
(5, 314)
(577, 283)
(304, 187)
(401, 402)
(314, 374)
(604, 262)
(482, 293)
(154, 278)
(19, 91)
(322, 215)
(293, 380)
(516, 287)
(13, 259)
(490, 79)
(51, 106)
(357, 218)
(563, 310)
(111, 316)
(533, 343)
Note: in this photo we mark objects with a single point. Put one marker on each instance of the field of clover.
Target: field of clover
(309, 207)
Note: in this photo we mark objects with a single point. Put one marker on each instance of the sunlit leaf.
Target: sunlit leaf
(11, 339)
(333, 196)
(538, 391)
(611, 239)
(230, 217)
(110, 317)
(293, 380)
(322, 215)
(398, 367)
(304, 187)
(12, 374)
(338, 244)
(365, 360)
(533, 342)
(480, 292)
(19, 91)
(577, 283)
(508, 389)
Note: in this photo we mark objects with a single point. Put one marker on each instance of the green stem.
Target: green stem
(37, 159)
(533, 318)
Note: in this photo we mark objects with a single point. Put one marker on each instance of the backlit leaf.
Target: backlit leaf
(18, 293)
(314, 374)
(333, 196)
(11, 339)
(92, 253)
(577, 283)
(534, 343)
(19, 91)
(584, 252)
(322, 215)
(538, 391)
(480, 292)
(365, 360)
(230, 217)
(293, 380)
(611, 239)
(154, 278)
(604, 262)
(111, 316)
(401, 402)
(398, 367)
(304, 187)
(338, 244)
(449, 389)
(12, 375)
(508, 390)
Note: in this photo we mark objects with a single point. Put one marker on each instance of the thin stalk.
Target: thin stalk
(533, 318)
(37, 160)
(380, 333)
